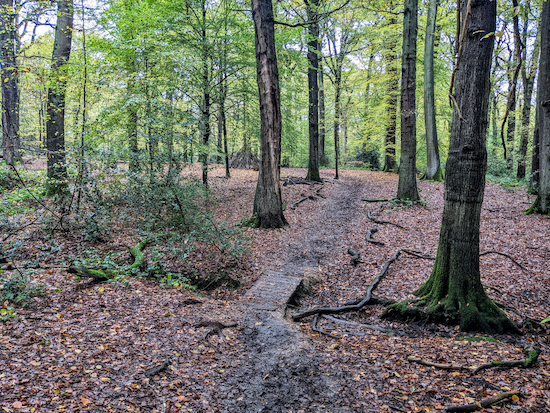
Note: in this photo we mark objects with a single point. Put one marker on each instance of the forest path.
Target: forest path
(280, 370)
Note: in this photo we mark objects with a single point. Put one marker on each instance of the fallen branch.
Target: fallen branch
(305, 198)
(157, 370)
(378, 200)
(369, 235)
(532, 357)
(417, 254)
(507, 256)
(355, 257)
(377, 221)
(428, 363)
(483, 403)
(354, 307)
(216, 326)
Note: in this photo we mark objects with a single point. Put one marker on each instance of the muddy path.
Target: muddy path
(280, 370)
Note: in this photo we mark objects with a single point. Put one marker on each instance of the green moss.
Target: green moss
(252, 222)
(535, 208)
(476, 339)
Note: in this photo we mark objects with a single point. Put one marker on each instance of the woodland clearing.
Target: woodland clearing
(84, 347)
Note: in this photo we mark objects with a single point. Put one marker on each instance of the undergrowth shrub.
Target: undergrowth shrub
(18, 289)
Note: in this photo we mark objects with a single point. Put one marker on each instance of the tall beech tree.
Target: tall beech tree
(10, 82)
(313, 88)
(542, 203)
(454, 293)
(55, 123)
(268, 202)
(407, 188)
(390, 59)
(433, 164)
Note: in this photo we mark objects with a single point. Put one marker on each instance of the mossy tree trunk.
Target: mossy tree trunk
(454, 293)
(268, 203)
(407, 188)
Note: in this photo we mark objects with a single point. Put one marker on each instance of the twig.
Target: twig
(483, 403)
(353, 307)
(428, 363)
(377, 221)
(369, 235)
(507, 256)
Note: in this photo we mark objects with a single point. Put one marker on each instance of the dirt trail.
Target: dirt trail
(280, 370)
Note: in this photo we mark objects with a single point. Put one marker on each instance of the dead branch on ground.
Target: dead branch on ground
(532, 357)
(377, 221)
(418, 254)
(354, 307)
(369, 235)
(483, 403)
(429, 363)
(379, 200)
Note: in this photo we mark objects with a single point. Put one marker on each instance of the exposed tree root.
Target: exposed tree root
(304, 198)
(294, 180)
(318, 192)
(507, 256)
(379, 200)
(153, 372)
(355, 257)
(417, 254)
(429, 363)
(483, 403)
(354, 307)
(352, 323)
(216, 327)
(532, 357)
(377, 221)
(369, 235)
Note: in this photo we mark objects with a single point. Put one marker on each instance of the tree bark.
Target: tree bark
(528, 78)
(204, 126)
(407, 188)
(55, 124)
(313, 88)
(453, 293)
(433, 164)
(544, 90)
(322, 132)
(390, 164)
(268, 204)
(337, 113)
(10, 83)
(535, 156)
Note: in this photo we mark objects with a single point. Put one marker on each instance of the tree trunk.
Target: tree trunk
(337, 113)
(132, 121)
(55, 124)
(528, 81)
(390, 164)
(10, 84)
(322, 132)
(534, 181)
(407, 188)
(454, 293)
(433, 165)
(268, 204)
(544, 90)
(313, 88)
(205, 106)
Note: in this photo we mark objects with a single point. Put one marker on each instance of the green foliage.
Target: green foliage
(7, 314)
(476, 339)
(18, 289)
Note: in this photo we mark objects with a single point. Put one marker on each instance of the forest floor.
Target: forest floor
(84, 347)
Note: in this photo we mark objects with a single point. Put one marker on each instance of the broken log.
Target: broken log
(355, 257)
(377, 221)
(369, 235)
(474, 407)
(353, 307)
